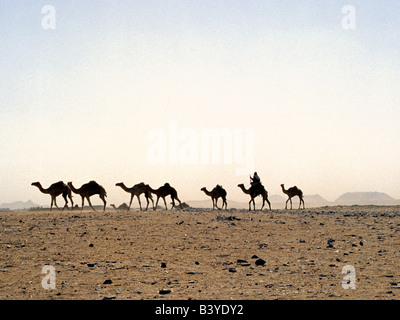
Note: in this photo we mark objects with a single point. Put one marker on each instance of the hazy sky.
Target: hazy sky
(307, 92)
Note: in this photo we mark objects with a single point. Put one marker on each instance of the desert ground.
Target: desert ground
(201, 254)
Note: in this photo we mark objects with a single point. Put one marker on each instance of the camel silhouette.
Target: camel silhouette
(255, 191)
(137, 190)
(54, 191)
(123, 206)
(89, 189)
(292, 192)
(215, 194)
(162, 192)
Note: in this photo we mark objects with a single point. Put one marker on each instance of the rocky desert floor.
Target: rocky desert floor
(201, 254)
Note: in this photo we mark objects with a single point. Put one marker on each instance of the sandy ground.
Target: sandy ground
(201, 254)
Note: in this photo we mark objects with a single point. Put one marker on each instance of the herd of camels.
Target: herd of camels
(91, 188)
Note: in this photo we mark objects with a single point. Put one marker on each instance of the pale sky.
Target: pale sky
(92, 96)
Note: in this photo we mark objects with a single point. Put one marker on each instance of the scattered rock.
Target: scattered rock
(260, 262)
(164, 291)
(330, 243)
(163, 265)
(193, 272)
(243, 263)
(108, 281)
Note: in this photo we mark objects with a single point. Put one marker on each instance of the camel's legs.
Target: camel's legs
(140, 205)
(173, 202)
(180, 203)
(130, 203)
(269, 203)
(147, 198)
(70, 198)
(216, 203)
(83, 202)
(104, 200)
(290, 199)
(301, 200)
(166, 208)
(224, 203)
(66, 201)
(154, 207)
(88, 199)
(55, 203)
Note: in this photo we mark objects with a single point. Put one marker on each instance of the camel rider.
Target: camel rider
(255, 179)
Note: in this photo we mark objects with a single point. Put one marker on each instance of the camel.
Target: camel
(137, 190)
(55, 190)
(89, 189)
(292, 192)
(123, 206)
(215, 194)
(164, 191)
(254, 191)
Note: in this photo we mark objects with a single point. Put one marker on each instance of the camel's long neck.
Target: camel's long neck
(244, 189)
(74, 189)
(207, 192)
(124, 187)
(152, 190)
(42, 189)
(283, 190)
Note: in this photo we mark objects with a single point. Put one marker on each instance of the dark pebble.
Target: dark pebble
(164, 291)
(260, 262)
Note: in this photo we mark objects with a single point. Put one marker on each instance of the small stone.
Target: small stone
(164, 291)
(260, 262)
(163, 265)
(108, 281)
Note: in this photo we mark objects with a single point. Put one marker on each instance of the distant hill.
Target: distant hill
(19, 205)
(315, 198)
(364, 198)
